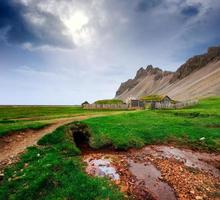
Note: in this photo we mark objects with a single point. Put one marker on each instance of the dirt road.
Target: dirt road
(14, 144)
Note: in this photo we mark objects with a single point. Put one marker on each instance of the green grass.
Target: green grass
(19, 118)
(109, 101)
(41, 112)
(206, 107)
(183, 127)
(54, 171)
(10, 126)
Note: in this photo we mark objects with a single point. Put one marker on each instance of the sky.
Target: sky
(63, 52)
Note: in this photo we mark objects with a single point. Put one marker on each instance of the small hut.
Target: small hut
(84, 104)
(157, 101)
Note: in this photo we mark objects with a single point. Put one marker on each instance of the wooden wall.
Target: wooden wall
(106, 106)
(166, 105)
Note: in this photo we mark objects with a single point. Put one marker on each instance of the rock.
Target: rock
(124, 188)
(142, 73)
(192, 192)
(196, 63)
(199, 198)
(117, 182)
(26, 165)
(202, 138)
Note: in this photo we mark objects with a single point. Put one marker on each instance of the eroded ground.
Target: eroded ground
(159, 172)
(13, 145)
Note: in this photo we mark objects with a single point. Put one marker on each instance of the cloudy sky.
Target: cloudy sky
(68, 51)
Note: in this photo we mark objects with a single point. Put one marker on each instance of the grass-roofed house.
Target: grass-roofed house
(111, 104)
(84, 103)
(155, 101)
(109, 101)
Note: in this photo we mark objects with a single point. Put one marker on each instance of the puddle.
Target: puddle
(151, 177)
(137, 174)
(188, 157)
(101, 167)
(143, 179)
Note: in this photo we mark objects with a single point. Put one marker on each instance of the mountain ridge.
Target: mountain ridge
(188, 78)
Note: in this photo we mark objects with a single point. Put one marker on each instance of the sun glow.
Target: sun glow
(76, 27)
(76, 21)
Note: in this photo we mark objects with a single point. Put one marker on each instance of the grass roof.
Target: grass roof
(109, 101)
(152, 98)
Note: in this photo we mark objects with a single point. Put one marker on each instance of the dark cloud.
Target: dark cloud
(191, 11)
(11, 18)
(145, 5)
(20, 31)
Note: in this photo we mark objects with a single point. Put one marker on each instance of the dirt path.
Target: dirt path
(14, 144)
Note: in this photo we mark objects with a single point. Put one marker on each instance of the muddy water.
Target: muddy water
(101, 167)
(137, 172)
(189, 158)
(151, 177)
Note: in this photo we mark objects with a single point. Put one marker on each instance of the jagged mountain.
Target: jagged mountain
(198, 77)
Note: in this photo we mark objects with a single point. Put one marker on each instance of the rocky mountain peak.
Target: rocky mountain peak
(140, 75)
(196, 63)
(153, 80)
(149, 70)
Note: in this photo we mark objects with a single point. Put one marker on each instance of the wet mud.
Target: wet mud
(151, 177)
(158, 172)
(190, 158)
(155, 172)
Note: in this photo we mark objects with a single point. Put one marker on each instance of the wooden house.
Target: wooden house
(157, 101)
(84, 104)
(136, 104)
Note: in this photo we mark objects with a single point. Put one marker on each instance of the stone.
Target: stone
(192, 192)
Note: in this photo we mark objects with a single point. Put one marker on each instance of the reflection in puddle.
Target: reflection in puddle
(137, 175)
(151, 177)
(101, 167)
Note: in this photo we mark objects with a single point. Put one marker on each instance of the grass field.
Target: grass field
(53, 170)
(42, 112)
(9, 126)
(183, 127)
(18, 118)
